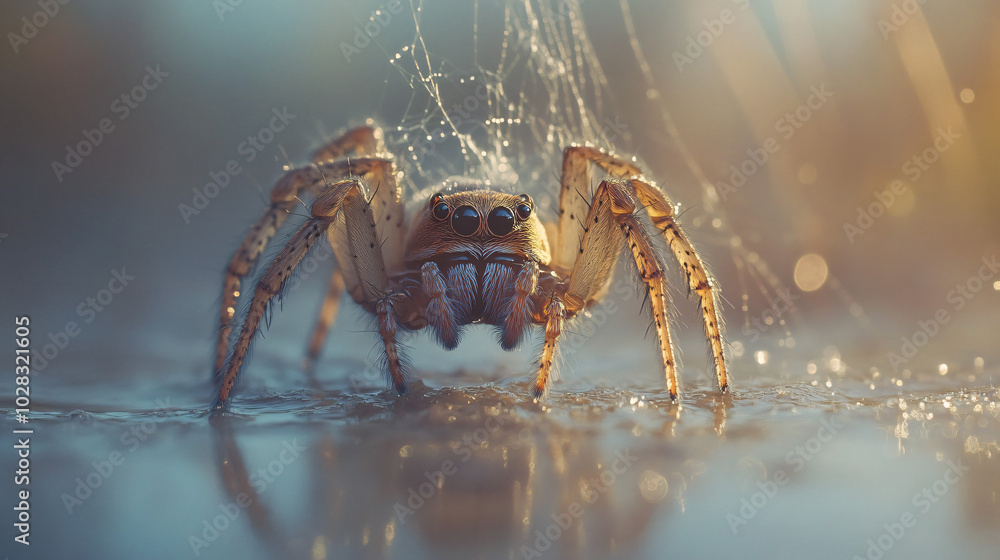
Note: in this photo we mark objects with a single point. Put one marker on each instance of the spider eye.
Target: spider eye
(524, 208)
(465, 220)
(500, 221)
(523, 211)
(440, 211)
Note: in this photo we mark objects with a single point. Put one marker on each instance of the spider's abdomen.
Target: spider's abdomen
(480, 289)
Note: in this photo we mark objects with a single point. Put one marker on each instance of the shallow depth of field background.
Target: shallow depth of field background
(829, 400)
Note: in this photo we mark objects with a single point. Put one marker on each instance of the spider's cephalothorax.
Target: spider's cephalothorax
(470, 255)
(473, 248)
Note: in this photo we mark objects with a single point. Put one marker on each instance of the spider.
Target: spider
(471, 255)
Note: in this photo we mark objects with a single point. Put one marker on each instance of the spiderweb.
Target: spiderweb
(532, 84)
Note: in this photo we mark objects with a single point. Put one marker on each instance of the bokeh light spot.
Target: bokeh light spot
(810, 272)
(653, 486)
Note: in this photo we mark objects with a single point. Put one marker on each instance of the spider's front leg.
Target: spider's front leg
(364, 141)
(389, 324)
(554, 318)
(661, 213)
(342, 210)
(610, 222)
(574, 204)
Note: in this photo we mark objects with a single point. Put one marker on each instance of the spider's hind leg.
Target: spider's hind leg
(326, 317)
(363, 140)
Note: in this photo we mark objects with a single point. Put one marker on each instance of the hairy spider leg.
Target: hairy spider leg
(364, 140)
(583, 248)
(343, 209)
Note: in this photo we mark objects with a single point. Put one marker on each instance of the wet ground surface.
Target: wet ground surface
(779, 468)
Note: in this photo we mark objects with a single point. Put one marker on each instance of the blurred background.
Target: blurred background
(833, 162)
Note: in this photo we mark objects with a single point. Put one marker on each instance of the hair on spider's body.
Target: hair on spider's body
(470, 255)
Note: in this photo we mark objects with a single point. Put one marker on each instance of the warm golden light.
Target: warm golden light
(808, 174)
(810, 272)
(319, 548)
